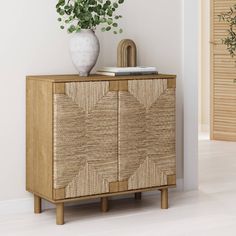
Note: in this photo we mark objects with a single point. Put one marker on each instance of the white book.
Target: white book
(124, 73)
(129, 69)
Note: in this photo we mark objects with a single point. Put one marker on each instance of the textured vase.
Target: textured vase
(84, 49)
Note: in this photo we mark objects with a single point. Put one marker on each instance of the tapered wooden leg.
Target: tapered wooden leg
(164, 198)
(37, 205)
(138, 196)
(104, 204)
(60, 213)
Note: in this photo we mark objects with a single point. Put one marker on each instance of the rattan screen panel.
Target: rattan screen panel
(223, 87)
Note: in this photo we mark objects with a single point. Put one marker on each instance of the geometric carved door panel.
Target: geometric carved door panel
(85, 139)
(146, 141)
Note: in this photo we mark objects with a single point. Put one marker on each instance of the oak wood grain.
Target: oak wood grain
(39, 141)
(76, 78)
(222, 69)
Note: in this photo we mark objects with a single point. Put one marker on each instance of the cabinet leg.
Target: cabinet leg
(37, 204)
(164, 198)
(60, 213)
(138, 196)
(104, 204)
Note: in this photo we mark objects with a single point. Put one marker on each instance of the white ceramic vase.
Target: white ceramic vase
(84, 49)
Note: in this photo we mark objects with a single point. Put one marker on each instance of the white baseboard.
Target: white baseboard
(26, 204)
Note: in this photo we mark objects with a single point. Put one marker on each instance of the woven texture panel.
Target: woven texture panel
(146, 154)
(85, 139)
(102, 136)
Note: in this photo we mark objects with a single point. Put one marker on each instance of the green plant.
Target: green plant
(88, 14)
(230, 41)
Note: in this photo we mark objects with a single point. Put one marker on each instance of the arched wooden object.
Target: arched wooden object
(127, 57)
(127, 53)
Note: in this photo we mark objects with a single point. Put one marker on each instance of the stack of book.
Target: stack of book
(126, 71)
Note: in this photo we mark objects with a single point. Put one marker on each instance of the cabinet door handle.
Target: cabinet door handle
(234, 81)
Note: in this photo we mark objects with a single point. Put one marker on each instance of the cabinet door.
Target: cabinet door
(85, 139)
(146, 138)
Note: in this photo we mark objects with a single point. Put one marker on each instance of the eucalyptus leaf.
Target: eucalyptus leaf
(230, 40)
(88, 14)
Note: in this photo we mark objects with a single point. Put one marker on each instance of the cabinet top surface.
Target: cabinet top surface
(77, 78)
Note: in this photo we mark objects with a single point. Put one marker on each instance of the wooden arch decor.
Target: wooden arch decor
(127, 57)
(127, 53)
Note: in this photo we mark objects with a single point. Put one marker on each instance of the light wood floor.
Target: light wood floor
(207, 212)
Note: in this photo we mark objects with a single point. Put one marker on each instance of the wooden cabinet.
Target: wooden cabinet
(99, 137)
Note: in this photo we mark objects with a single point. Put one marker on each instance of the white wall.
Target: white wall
(204, 88)
(32, 43)
(191, 54)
